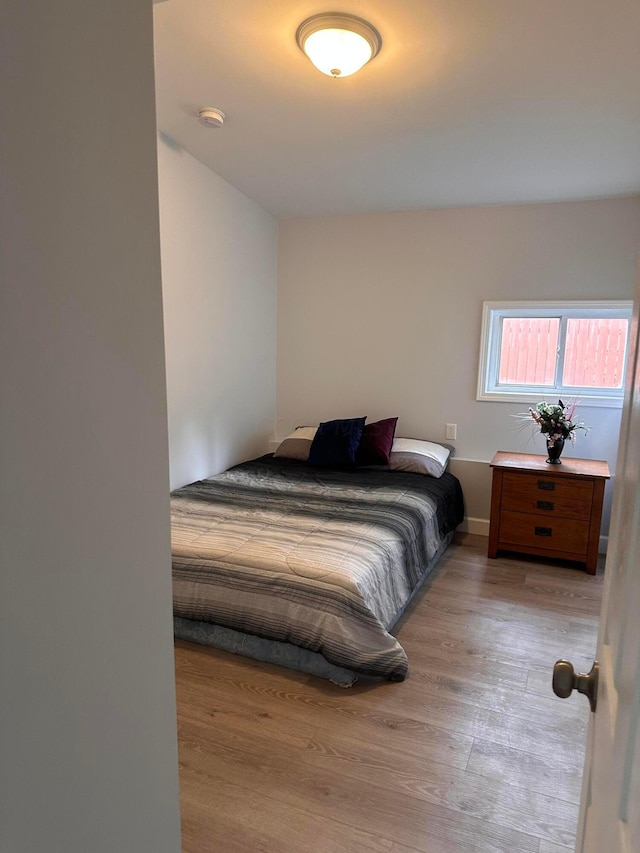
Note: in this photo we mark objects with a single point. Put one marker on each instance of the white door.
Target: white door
(610, 810)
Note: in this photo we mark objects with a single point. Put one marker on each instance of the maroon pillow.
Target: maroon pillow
(376, 442)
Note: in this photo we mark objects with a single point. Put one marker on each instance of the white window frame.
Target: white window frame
(492, 315)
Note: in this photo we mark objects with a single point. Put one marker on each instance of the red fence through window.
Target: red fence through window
(594, 352)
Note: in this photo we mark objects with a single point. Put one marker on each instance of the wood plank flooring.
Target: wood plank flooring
(472, 752)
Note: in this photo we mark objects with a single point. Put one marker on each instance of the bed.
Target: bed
(307, 567)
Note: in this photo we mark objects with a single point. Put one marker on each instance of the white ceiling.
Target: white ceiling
(468, 102)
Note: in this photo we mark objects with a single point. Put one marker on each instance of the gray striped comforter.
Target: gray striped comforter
(323, 559)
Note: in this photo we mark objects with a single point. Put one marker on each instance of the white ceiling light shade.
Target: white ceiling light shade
(338, 45)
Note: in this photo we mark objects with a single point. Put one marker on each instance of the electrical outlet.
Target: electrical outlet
(452, 431)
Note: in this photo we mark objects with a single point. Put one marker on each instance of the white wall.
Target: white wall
(219, 272)
(380, 315)
(88, 758)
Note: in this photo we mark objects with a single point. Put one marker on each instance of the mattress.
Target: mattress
(323, 560)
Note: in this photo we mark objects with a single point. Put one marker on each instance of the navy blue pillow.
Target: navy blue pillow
(336, 443)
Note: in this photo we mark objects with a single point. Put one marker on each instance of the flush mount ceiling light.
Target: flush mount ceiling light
(338, 45)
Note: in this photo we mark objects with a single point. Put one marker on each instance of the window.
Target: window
(554, 349)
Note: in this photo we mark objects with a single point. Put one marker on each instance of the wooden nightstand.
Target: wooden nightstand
(548, 510)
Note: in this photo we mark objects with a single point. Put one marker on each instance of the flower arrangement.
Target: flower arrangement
(557, 421)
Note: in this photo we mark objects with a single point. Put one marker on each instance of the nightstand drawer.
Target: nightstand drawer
(546, 505)
(547, 488)
(535, 531)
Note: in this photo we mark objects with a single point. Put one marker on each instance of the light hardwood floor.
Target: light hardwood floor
(472, 752)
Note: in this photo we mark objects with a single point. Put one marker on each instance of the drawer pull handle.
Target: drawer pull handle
(547, 485)
(542, 531)
(545, 505)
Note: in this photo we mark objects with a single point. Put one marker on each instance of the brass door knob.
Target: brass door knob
(566, 680)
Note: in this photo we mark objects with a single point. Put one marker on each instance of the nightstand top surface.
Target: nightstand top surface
(535, 462)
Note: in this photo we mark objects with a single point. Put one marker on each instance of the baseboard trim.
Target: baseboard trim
(475, 525)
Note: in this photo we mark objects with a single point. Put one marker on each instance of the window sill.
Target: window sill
(582, 400)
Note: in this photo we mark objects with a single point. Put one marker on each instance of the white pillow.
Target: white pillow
(418, 457)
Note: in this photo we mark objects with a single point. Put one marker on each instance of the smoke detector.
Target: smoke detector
(211, 117)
